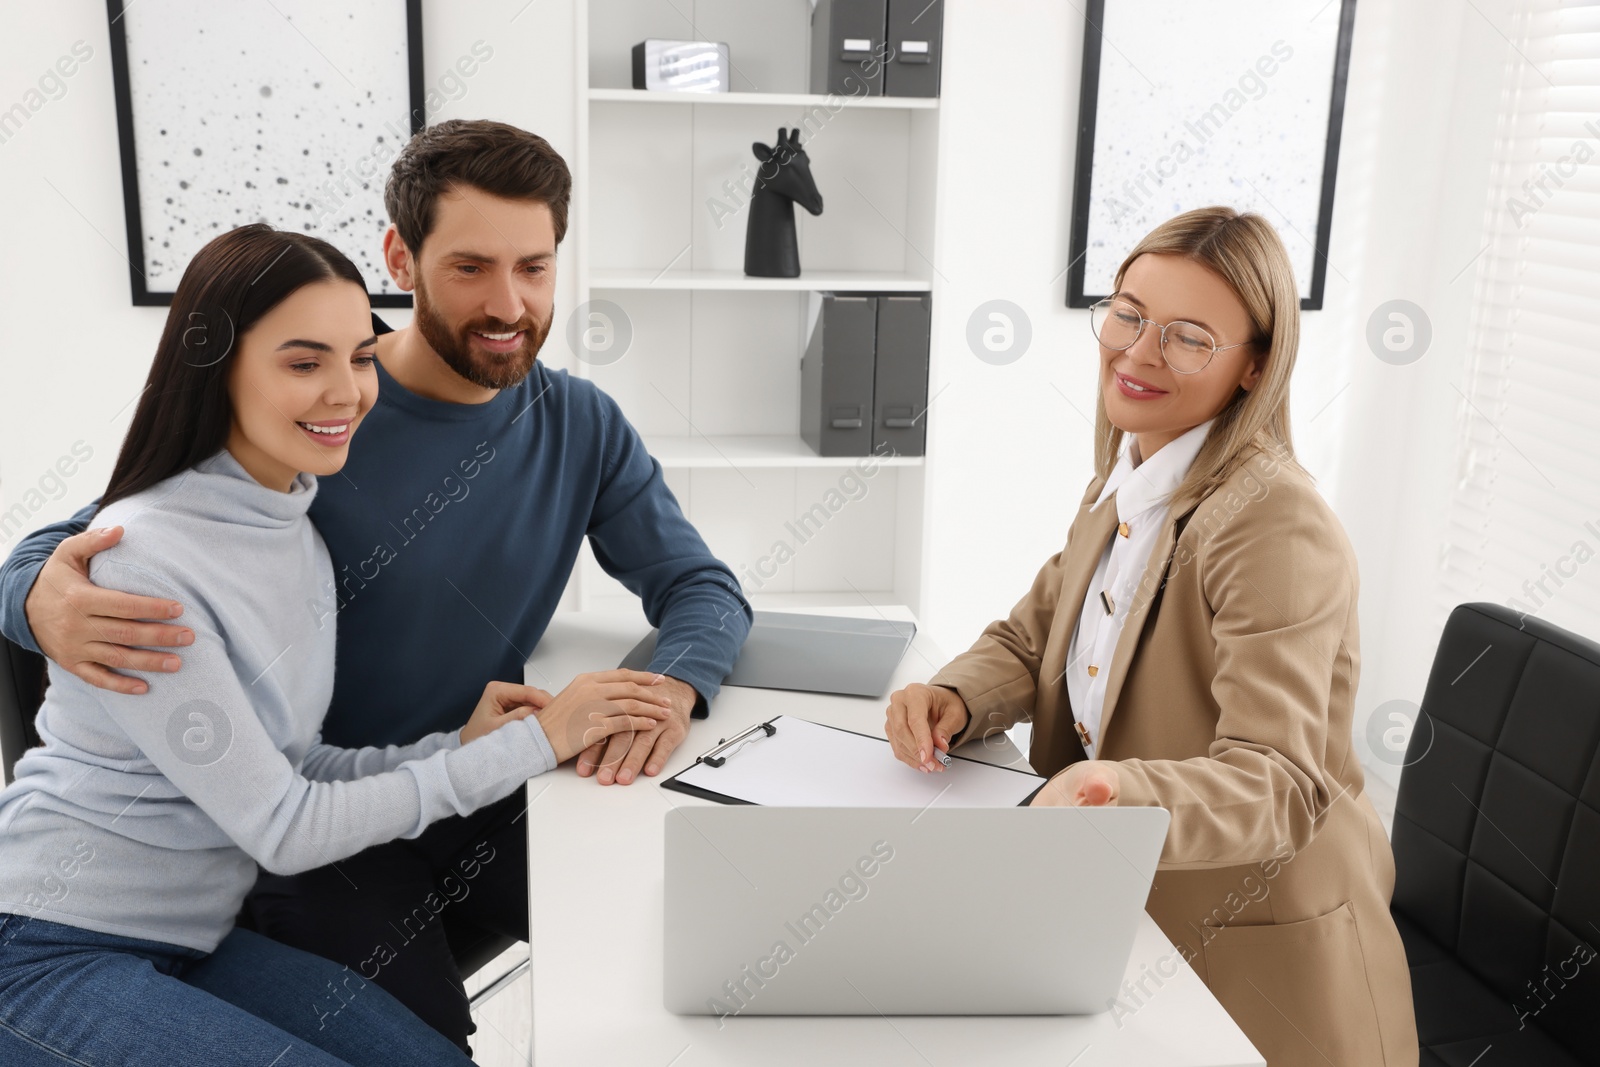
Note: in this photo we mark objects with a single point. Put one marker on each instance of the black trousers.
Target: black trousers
(401, 913)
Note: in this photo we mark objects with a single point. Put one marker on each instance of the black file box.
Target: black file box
(915, 29)
(864, 375)
(836, 375)
(877, 47)
(847, 47)
(900, 374)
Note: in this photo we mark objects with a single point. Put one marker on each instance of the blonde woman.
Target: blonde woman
(1194, 647)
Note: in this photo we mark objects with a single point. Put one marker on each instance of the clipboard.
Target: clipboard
(793, 762)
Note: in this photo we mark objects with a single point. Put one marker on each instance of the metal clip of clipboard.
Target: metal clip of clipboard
(728, 746)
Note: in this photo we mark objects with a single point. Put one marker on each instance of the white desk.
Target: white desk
(595, 890)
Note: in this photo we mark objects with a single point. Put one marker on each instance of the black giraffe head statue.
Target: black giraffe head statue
(770, 246)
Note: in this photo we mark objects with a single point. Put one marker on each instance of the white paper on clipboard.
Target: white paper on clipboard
(805, 764)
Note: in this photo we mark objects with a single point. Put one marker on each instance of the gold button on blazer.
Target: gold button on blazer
(1228, 702)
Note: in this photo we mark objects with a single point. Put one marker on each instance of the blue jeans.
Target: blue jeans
(72, 996)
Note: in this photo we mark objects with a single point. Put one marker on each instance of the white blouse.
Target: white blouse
(1142, 489)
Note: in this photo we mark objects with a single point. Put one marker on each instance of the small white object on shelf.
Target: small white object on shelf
(681, 66)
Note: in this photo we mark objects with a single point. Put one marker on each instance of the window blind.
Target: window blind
(1524, 522)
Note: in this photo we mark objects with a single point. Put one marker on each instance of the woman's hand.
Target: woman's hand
(502, 702)
(923, 718)
(1085, 784)
(595, 706)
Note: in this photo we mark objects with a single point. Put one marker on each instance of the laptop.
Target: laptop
(896, 911)
(810, 653)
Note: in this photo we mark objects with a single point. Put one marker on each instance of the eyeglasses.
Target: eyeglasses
(1185, 347)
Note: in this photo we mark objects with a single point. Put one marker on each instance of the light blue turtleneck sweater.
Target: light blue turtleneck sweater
(145, 816)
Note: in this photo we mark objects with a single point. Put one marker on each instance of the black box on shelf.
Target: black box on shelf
(900, 374)
(836, 374)
(914, 35)
(864, 375)
(847, 47)
(876, 47)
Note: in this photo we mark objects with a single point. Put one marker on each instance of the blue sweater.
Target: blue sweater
(145, 816)
(453, 529)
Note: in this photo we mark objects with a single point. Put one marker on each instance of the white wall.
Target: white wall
(1414, 200)
(73, 353)
(1008, 456)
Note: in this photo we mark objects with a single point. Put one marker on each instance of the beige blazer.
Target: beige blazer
(1229, 703)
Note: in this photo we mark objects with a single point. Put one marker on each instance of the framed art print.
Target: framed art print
(1188, 105)
(287, 113)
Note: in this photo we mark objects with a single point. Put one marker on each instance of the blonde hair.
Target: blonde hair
(1246, 253)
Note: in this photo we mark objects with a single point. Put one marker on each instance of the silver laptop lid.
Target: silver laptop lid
(810, 653)
(856, 911)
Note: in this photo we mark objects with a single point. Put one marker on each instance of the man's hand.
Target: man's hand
(92, 631)
(1085, 784)
(601, 705)
(620, 758)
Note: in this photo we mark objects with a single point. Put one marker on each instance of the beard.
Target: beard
(490, 370)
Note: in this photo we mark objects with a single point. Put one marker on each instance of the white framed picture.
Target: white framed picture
(287, 113)
(1188, 105)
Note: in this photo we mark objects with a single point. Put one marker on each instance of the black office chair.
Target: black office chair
(1497, 846)
(474, 949)
(22, 681)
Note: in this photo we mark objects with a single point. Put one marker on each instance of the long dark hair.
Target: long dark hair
(185, 414)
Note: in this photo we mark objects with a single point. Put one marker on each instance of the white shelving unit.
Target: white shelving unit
(711, 376)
